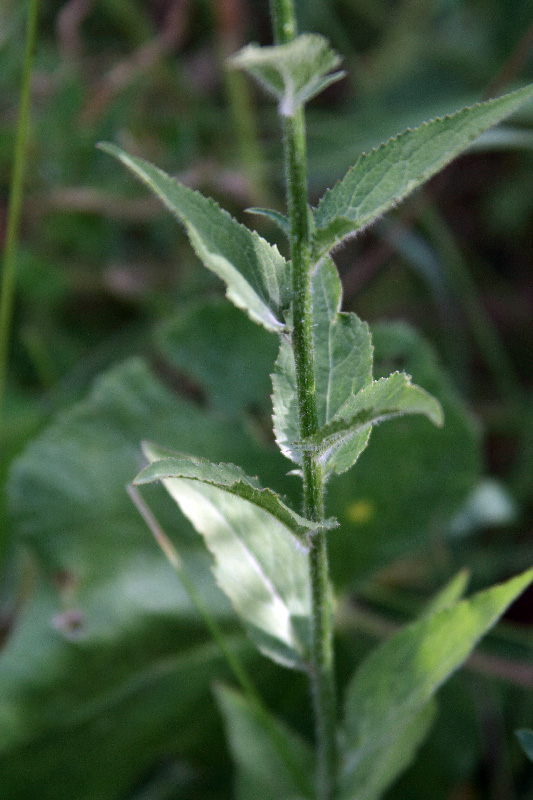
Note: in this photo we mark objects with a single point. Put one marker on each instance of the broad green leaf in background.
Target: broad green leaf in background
(108, 655)
(228, 360)
(127, 727)
(226, 477)
(261, 773)
(525, 737)
(255, 273)
(398, 679)
(293, 72)
(343, 365)
(385, 176)
(259, 563)
(378, 401)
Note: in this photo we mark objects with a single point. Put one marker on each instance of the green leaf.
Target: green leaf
(348, 402)
(343, 366)
(261, 772)
(124, 729)
(398, 679)
(525, 737)
(226, 357)
(379, 765)
(293, 72)
(449, 594)
(413, 478)
(258, 562)
(279, 219)
(108, 654)
(228, 478)
(378, 401)
(385, 176)
(256, 275)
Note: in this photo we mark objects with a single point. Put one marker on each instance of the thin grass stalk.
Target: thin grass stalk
(232, 659)
(15, 199)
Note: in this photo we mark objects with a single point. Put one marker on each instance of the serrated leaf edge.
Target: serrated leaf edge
(244, 488)
(331, 434)
(113, 150)
(318, 252)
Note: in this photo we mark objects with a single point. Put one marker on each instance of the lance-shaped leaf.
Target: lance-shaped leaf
(230, 479)
(450, 594)
(293, 72)
(259, 563)
(379, 767)
(343, 365)
(255, 273)
(256, 742)
(378, 401)
(394, 684)
(382, 178)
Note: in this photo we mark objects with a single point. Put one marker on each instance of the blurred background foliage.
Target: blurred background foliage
(120, 335)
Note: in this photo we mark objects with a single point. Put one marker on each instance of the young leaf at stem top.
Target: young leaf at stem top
(382, 178)
(294, 72)
(255, 273)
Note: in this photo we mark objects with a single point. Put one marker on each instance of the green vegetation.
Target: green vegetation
(243, 650)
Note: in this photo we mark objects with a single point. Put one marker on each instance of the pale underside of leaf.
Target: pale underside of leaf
(380, 400)
(256, 275)
(259, 563)
(343, 365)
(398, 679)
(293, 73)
(228, 478)
(385, 176)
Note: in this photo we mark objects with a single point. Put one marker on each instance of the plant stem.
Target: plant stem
(322, 666)
(283, 20)
(15, 198)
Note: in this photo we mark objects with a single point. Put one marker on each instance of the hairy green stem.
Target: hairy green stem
(15, 198)
(283, 20)
(322, 666)
(233, 661)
